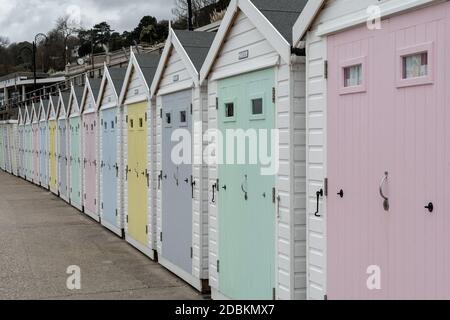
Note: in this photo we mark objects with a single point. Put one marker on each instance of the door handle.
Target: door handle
(244, 188)
(430, 207)
(319, 194)
(385, 199)
(214, 187)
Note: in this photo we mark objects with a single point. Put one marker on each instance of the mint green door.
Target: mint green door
(246, 208)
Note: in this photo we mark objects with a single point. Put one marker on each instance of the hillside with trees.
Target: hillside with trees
(63, 44)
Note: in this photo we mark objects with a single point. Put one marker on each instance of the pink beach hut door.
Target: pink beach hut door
(388, 138)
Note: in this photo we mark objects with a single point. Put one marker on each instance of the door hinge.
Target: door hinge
(160, 237)
(126, 119)
(218, 266)
(274, 294)
(192, 253)
(117, 213)
(102, 205)
(191, 108)
(325, 69)
(160, 113)
(127, 219)
(274, 95)
(274, 195)
(146, 229)
(325, 187)
(217, 103)
(145, 116)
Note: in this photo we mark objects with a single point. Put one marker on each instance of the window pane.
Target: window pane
(415, 65)
(183, 116)
(353, 76)
(229, 110)
(257, 106)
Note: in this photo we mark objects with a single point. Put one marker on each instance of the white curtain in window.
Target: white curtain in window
(415, 66)
(353, 76)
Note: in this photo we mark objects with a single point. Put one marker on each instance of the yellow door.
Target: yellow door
(137, 173)
(52, 157)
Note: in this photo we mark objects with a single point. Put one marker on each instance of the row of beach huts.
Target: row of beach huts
(358, 206)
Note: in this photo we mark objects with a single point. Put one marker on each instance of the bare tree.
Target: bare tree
(181, 9)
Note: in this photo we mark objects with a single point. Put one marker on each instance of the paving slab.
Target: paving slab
(41, 236)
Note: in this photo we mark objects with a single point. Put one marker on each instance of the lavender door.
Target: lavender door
(387, 213)
(176, 184)
(90, 163)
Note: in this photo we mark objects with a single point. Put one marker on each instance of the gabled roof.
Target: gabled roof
(114, 77)
(192, 46)
(63, 104)
(91, 87)
(43, 108)
(35, 111)
(28, 114)
(274, 19)
(117, 76)
(282, 14)
(145, 65)
(196, 44)
(76, 94)
(20, 116)
(53, 105)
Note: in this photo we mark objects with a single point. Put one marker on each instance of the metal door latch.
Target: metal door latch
(319, 194)
(430, 207)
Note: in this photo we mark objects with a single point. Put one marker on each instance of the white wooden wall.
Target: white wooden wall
(290, 260)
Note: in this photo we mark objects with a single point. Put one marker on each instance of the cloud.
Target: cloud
(20, 20)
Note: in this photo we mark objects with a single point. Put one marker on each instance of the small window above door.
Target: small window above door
(230, 111)
(415, 65)
(167, 119)
(353, 76)
(183, 118)
(257, 107)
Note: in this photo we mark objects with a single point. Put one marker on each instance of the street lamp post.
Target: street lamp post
(38, 37)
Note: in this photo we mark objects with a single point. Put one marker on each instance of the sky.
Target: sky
(21, 20)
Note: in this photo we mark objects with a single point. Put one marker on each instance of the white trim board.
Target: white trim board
(313, 8)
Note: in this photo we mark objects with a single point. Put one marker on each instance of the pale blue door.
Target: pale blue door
(109, 166)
